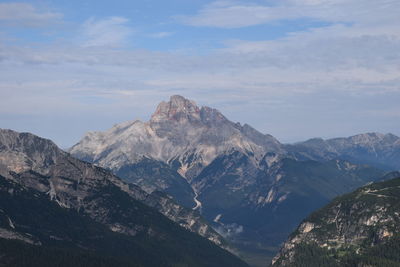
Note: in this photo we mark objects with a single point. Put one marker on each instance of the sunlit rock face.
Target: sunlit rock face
(179, 133)
(253, 189)
(168, 152)
(357, 229)
(38, 164)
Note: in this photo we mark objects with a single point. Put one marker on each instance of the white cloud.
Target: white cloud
(112, 31)
(159, 35)
(91, 83)
(236, 14)
(356, 57)
(294, 65)
(334, 48)
(26, 15)
(232, 16)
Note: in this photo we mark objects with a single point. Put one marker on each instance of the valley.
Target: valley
(253, 189)
(208, 133)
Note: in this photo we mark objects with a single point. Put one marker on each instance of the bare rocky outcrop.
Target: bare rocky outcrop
(352, 224)
(253, 189)
(179, 133)
(39, 164)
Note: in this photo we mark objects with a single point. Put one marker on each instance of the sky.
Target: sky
(295, 69)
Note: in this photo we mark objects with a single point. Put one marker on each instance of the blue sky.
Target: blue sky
(295, 69)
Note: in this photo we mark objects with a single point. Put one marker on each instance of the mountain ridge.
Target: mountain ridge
(377, 149)
(178, 130)
(355, 229)
(244, 182)
(39, 164)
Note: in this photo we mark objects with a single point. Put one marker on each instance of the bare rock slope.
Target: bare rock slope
(39, 164)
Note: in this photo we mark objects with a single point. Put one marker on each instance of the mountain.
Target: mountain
(252, 188)
(179, 133)
(376, 149)
(268, 201)
(356, 229)
(52, 202)
(153, 175)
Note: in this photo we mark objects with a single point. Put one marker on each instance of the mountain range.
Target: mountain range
(356, 229)
(375, 149)
(253, 189)
(56, 210)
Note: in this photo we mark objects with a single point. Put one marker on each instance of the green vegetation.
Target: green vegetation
(238, 190)
(149, 173)
(67, 236)
(309, 255)
(360, 218)
(19, 254)
(383, 255)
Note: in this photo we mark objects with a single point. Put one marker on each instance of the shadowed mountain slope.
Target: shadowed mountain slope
(357, 229)
(58, 203)
(253, 189)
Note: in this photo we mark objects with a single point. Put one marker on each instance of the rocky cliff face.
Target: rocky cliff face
(39, 164)
(179, 133)
(38, 231)
(261, 203)
(353, 228)
(252, 188)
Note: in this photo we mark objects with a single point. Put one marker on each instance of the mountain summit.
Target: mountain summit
(179, 133)
(181, 110)
(253, 189)
(178, 108)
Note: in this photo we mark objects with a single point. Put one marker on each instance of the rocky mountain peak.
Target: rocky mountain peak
(368, 138)
(179, 132)
(212, 116)
(12, 140)
(38, 163)
(23, 151)
(177, 108)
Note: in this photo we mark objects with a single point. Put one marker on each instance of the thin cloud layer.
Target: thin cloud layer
(112, 31)
(161, 34)
(102, 75)
(26, 15)
(236, 14)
